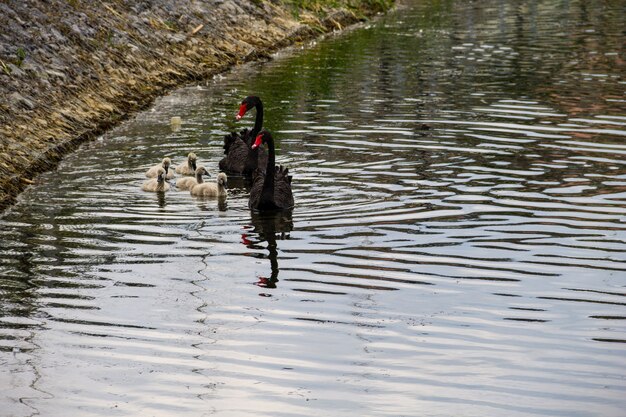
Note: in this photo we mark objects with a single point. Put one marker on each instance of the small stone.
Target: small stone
(76, 30)
(17, 100)
(57, 35)
(15, 70)
(176, 38)
(57, 74)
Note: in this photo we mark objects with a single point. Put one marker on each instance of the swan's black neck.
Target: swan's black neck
(258, 121)
(253, 154)
(271, 157)
(268, 185)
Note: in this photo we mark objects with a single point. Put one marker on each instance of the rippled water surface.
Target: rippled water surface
(457, 246)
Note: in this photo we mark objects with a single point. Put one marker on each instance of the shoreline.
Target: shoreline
(58, 95)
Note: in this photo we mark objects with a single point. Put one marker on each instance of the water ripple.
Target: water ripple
(457, 242)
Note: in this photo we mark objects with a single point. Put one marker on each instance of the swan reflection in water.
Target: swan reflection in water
(268, 227)
(211, 203)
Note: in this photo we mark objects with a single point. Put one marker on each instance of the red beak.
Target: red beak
(257, 142)
(242, 111)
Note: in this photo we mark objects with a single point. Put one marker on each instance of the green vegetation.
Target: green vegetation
(21, 55)
(320, 6)
(5, 68)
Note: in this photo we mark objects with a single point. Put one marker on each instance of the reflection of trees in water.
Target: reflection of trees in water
(268, 227)
(547, 60)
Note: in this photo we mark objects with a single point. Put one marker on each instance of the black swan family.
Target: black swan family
(245, 155)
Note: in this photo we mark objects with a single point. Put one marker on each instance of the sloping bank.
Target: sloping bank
(70, 69)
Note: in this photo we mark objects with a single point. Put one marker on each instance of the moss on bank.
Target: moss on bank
(363, 7)
(71, 69)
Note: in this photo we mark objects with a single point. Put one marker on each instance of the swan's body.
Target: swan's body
(165, 165)
(240, 157)
(271, 189)
(206, 189)
(189, 167)
(187, 183)
(157, 184)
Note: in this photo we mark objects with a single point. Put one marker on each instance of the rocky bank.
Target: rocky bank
(70, 69)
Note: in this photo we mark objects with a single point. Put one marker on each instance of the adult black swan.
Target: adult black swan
(240, 157)
(271, 190)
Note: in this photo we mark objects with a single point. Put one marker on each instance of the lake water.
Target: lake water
(457, 246)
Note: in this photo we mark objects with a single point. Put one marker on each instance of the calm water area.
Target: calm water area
(458, 245)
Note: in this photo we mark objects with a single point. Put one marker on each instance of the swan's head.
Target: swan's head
(200, 171)
(191, 158)
(160, 175)
(247, 104)
(166, 164)
(261, 138)
(222, 179)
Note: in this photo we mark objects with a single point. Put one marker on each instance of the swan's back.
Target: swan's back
(186, 183)
(153, 185)
(282, 197)
(240, 158)
(233, 137)
(235, 161)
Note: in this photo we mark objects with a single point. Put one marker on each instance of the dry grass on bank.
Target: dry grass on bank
(71, 69)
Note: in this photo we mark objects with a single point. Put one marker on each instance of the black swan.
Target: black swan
(271, 190)
(240, 157)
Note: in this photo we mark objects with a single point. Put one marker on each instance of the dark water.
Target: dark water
(476, 268)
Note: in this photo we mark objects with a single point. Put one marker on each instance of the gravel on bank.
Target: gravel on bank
(70, 69)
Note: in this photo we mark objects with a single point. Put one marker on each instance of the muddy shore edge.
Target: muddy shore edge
(70, 69)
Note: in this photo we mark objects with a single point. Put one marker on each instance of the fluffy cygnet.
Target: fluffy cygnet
(205, 189)
(165, 165)
(156, 184)
(187, 183)
(189, 167)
